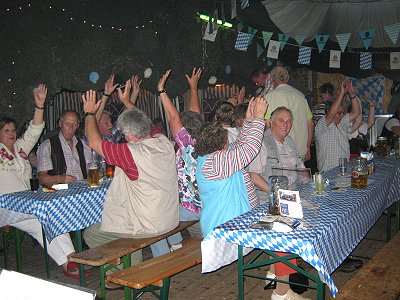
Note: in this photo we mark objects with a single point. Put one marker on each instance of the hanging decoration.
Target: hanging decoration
(393, 32)
(244, 4)
(273, 49)
(334, 59)
(343, 39)
(228, 69)
(212, 80)
(367, 36)
(300, 38)
(242, 41)
(321, 40)
(147, 73)
(283, 38)
(93, 77)
(260, 50)
(233, 9)
(266, 37)
(304, 55)
(365, 60)
(252, 31)
(395, 60)
(210, 36)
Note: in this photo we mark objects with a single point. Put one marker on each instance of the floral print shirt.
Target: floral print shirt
(186, 167)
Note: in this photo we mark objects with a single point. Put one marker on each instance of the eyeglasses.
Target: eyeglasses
(71, 124)
(8, 131)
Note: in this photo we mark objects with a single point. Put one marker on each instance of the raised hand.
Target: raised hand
(109, 85)
(351, 91)
(124, 95)
(242, 95)
(163, 79)
(260, 107)
(250, 108)
(194, 79)
(89, 102)
(40, 93)
(135, 81)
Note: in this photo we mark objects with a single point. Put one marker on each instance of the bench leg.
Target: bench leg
(102, 282)
(5, 237)
(46, 255)
(320, 289)
(126, 262)
(165, 289)
(18, 246)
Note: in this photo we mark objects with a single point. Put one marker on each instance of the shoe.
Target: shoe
(270, 284)
(74, 273)
(175, 247)
(290, 295)
(358, 263)
(350, 265)
(112, 286)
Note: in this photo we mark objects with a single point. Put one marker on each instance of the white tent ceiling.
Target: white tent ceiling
(312, 17)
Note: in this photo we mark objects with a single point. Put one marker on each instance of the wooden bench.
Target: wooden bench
(109, 255)
(379, 278)
(154, 274)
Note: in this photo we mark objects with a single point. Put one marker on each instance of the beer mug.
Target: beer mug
(110, 171)
(93, 174)
(359, 173)
(274, 184)
(381, 146)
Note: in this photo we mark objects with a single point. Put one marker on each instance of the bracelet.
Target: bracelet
(38, 107)
(107, 95)
(162, 91)
(89, 114)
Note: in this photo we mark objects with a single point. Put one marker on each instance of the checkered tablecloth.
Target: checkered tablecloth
(333, 224)
(59, 212)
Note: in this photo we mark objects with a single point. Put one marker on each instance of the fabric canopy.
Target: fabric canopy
(332, 17)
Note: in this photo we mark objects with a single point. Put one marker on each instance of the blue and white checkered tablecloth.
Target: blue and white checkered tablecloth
(59, 212)
(333, 224)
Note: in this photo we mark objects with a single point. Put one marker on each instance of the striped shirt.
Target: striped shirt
(222, 164)
(119, 155)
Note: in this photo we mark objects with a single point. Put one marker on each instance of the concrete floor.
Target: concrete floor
(192, 284)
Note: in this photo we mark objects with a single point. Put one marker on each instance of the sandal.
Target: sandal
(270, 284)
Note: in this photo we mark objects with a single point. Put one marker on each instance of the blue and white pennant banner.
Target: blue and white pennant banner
(242, 41)
(304, 55)
(365, 60)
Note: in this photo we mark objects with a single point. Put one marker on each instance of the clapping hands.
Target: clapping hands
(257, 108)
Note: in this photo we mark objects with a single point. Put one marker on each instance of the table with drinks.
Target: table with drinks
(334, 222)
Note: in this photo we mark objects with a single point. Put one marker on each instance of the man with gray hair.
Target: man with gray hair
(291, 98)
(142, 200)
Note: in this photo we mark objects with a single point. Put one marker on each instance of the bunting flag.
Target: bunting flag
(242, 41)
(300, 38)
(393, 32)
(365, 60)
(304, 55)
(273, 49)
(334, 61)
(371, 88)
(395, 60)
(283, 38)
(252, 31)
(233, 9)
(244, 4)
(367, 36)
(343, 39)
(210, 36)
(260, 50)
(266, 37)
(321, 40)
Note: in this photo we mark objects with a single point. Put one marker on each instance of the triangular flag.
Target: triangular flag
(273, 49)
(321, 40)
(242, 41)
(343, 39)
(365, 60)
(395, 60)
(334, 61)
(393, 32)
(244, 4)
(233, 9)
(252, 31)
(283, 38)
(260, 50)
(300, 38)
(367, 36)
(210, 36)
(304, 55)
(266, 37)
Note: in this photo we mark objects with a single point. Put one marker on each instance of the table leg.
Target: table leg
(81, 268)
(46, 255)
(240, 273)
(320, 289)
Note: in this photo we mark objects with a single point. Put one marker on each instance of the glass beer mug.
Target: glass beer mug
(274, 184)
(381, 146)
(359, 173)
(93, 174)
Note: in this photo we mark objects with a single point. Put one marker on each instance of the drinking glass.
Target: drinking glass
(110, 171)
(342, 165)
(319, 183)
(93, 174)
(34, 184)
